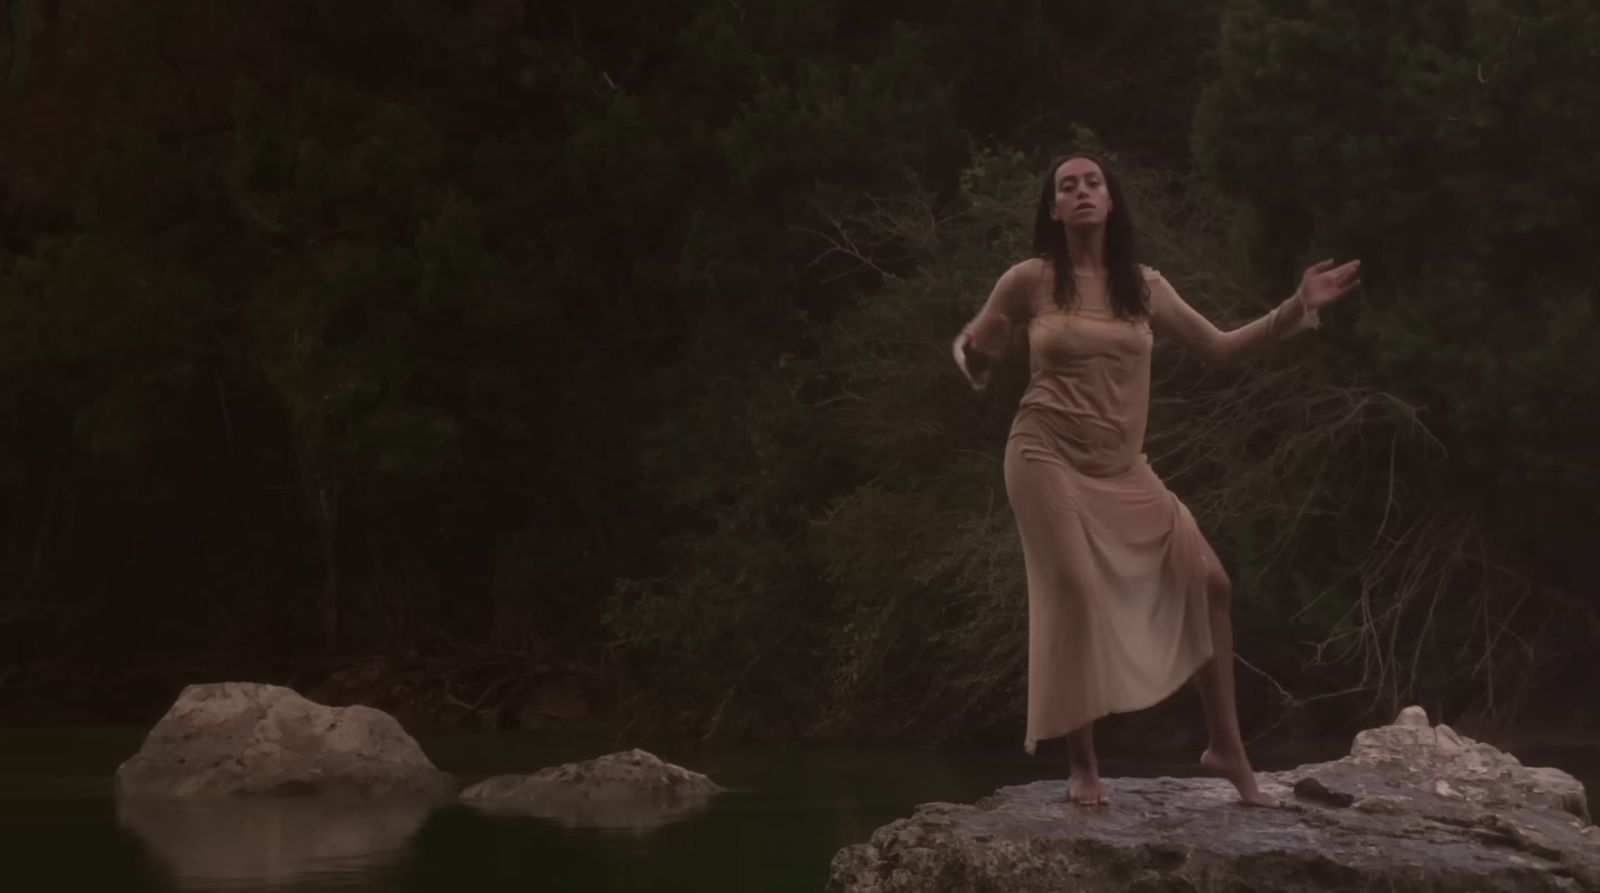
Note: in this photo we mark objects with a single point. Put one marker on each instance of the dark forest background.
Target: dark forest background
(517, 362)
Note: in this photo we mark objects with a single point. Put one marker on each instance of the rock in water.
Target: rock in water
(239, 738)
(631, 789)
(1414, 807)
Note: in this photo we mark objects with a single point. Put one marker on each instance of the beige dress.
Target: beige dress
(1117, 616)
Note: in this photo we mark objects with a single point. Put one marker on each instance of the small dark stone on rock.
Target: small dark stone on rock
(1314, 789)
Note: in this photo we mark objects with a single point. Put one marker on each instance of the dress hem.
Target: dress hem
(1030, 744)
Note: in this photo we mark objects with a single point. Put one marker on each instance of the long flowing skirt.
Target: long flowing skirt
(1117, 616)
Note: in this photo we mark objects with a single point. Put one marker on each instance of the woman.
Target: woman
(1126, 599)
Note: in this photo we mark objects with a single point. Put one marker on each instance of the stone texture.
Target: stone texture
(238, 738)
(1414, 807)
(631, 789)
(1457, 767)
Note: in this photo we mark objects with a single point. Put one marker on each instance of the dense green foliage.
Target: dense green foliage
(613, 338)
(1452, 146)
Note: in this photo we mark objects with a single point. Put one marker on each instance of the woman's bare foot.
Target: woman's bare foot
(1085, 788)
(1237, 770)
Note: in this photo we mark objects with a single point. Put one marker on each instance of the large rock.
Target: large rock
(1458, 768)
(1414, 807)
(239, 738)
(631, 789)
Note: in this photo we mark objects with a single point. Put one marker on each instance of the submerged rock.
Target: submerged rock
(1414, 807)
(238, 738)
(631, 789)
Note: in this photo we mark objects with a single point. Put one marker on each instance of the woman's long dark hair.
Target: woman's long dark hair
(1130, 296)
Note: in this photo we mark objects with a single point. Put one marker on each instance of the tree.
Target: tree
(1449, 146)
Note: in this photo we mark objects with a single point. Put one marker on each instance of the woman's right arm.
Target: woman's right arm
(987, 338)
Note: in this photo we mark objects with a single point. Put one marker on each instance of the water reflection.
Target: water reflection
(639, 814)
(269, 841)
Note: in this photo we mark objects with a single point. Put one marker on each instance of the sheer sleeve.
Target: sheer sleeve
(1173, 316)
(1010, 305)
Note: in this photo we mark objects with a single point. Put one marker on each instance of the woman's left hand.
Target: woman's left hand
(1324, 283)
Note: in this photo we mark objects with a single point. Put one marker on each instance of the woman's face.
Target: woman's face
(1082, 199)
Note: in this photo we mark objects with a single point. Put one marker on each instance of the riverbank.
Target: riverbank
(791, 808)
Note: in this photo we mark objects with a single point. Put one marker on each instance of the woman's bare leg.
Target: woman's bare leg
(1225, 754)
(1084, 785)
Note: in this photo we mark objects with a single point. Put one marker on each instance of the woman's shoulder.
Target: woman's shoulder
(1160, 289)
(1026, 280)
(1032, 270)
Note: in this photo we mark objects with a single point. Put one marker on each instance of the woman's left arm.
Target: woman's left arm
(1322, 284)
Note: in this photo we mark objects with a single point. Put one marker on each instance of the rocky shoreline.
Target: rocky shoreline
(1413, 807)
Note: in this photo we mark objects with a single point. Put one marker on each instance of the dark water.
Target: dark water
(790, 810)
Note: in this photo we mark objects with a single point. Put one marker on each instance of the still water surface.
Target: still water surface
(777, 830)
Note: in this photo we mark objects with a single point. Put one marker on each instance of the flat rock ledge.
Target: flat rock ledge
(632, 789)
(239, 739)
(1413, 808)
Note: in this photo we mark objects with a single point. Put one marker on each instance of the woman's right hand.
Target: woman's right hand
(961, 350)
